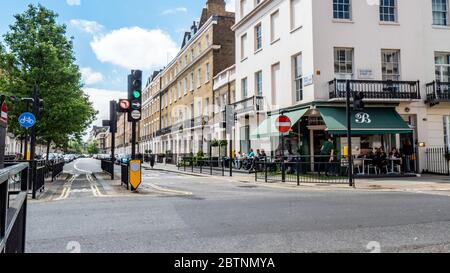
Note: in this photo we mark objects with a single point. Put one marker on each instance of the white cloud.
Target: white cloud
(73, 2)
(100, 99)
(90, 76)
(90, 27)
(231, 5)
(135, 48)
(174, 11)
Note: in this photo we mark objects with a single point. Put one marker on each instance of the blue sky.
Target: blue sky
(105, 30)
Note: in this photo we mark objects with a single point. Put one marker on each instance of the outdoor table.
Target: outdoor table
(364, 164)
(392, 160)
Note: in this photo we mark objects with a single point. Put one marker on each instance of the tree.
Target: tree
(41, 55)
(92, 147)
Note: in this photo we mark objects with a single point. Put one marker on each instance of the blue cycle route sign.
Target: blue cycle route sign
(27, 120)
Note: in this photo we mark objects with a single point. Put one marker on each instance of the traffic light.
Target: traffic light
(135, 95)
(40, 107)
(358, 101)
(113, 116)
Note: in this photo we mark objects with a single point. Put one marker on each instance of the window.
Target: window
(440, 12)
(199, 48)
(207, 41)
(388, 10)
(258, 37)
(447, 132)
(298, 77)
(179, 89)
(342, 9)
(243, 46)
(192, 81)
(274, 24)
(207, 73)
(390, 65)
(442, 61)
(343, 63)
(259, 83)
(275, 83)
(242, 8)
(185, 86)
(199, 77)
(207, 106)
(192, 55)
(244, 86)
(295, 14)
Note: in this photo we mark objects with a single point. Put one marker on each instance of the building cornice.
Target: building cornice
(246, 18)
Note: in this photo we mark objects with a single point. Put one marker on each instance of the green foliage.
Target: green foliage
(41, 55)
(93, 148)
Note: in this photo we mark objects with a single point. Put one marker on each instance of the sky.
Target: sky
(113, 37)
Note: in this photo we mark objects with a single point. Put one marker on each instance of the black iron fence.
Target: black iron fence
(302, 170)
(13, 208)
(406, 90)
(56, 169)
(205, 165)
(108, 166)
(438, 161)
(125, 175)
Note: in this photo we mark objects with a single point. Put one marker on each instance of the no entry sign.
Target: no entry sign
(283, 124)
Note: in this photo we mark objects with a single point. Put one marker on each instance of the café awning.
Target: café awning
(371, 121)
(268, 129)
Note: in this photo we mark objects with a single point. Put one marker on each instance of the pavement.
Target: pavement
(427, 184)
(85, 212)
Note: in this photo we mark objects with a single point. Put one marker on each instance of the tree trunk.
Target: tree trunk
(49, 142)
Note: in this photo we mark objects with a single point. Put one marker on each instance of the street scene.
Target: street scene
(213, 126)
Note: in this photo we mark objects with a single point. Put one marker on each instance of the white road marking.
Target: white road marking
(80, 170)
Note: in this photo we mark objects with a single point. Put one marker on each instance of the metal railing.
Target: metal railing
(13, 208)
(302, 170)
(400, 90)
(204, 165)
(57, 168)
(125, 175)
(438, 161)
(252, 104)
(107, 166)
(438, 91)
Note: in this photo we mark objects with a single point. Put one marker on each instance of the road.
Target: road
(178, 213)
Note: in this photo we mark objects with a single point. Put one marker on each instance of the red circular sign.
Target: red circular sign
(283, 124)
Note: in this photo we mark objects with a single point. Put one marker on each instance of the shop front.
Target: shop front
(382, 141)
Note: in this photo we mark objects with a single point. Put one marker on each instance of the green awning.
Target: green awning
(371, 121)
(267, 127)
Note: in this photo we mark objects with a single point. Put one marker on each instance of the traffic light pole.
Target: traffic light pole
(349, 136)
(133, 140)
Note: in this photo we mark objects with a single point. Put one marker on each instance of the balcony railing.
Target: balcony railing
(164, 131)
(437, 92)
(383, 90)
(252, 104)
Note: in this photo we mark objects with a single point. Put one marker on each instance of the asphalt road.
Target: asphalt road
(177, 213)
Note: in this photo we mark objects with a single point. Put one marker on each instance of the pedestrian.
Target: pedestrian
(327, 153)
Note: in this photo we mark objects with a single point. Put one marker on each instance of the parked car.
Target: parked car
(125, 159)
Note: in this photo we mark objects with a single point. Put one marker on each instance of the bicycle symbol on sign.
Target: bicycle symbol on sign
(27, 120)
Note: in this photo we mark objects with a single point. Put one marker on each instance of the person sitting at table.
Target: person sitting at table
(380, 159)
(396, 157)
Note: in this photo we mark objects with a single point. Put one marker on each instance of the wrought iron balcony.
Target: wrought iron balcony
(376, 90)
(252, 104)
(438, 92)
(164, 131)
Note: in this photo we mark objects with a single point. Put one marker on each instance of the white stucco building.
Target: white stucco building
(293, 56)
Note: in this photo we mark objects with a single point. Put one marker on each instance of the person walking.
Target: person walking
(326, 156)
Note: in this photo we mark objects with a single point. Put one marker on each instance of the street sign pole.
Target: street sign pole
(3, 126)
(349, 136)
(33, 129)
(113, 129)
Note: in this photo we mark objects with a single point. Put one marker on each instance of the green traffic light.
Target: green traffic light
(136, 94)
